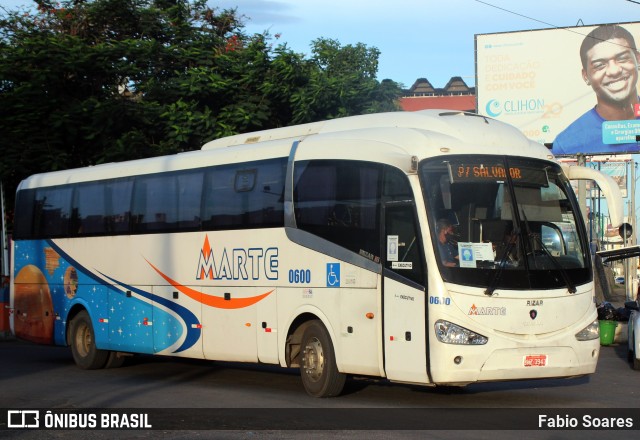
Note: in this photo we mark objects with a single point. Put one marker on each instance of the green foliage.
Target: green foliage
(84, 82)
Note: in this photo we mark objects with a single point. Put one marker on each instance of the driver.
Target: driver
(448, 249)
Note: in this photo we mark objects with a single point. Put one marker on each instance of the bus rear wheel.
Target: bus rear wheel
(320, 375)
(83, 344)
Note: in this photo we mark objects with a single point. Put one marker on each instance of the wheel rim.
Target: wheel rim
(84, 340)
(313, 360)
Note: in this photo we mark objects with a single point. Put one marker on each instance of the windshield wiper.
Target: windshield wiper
(554, 260)
(556, 263)
(502, 263)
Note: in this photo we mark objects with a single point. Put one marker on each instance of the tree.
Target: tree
(90, 81)
(343, 82)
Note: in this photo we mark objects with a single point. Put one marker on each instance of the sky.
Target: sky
(431, 39)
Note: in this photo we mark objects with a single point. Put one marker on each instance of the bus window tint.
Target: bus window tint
(154, 203)
(24, 214)
(339, 201)
(118, 205)
(247, 195)
(396, 185)
(237, 196)
(189, 195)
(168, 202)
(89, 209)
(52, 211)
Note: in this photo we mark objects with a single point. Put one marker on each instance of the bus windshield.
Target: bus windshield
(515, 229)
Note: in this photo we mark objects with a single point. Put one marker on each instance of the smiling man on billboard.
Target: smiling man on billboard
(610, 67)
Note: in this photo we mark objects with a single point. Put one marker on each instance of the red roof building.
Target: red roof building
(456, 95)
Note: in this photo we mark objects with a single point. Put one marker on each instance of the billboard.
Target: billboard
(575, 87)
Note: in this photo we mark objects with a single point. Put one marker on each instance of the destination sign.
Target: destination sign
(475, 172)
(486, 172)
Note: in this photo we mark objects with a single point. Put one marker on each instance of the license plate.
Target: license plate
(535, 360)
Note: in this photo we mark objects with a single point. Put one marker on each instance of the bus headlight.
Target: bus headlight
(592, 331)
(450, 333)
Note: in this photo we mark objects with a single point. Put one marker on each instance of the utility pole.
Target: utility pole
(582, 194)
(631, 283)
(3, 238)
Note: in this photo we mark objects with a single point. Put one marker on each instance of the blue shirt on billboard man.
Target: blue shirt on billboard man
(610, 67)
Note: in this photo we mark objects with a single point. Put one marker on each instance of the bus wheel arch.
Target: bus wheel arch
(310, 348)
(81, 337)
(294, 338)
(73, 312)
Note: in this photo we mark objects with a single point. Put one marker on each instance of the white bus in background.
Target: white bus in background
(315, 246)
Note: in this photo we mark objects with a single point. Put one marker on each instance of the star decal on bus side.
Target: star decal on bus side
(191, 323)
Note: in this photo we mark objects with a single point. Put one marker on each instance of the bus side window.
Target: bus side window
(23, 222)
(53, 211)
(118, 205)
(189, 193)
(244, 196)
(166, 203)
(339, 200)
(89, 210)
(155, 203)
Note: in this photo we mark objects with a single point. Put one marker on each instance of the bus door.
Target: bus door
(404, 298)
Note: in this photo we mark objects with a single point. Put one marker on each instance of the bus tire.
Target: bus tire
(82, 338)
(320, 375)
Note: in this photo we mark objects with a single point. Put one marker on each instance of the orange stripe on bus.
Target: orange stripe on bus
(212, 300)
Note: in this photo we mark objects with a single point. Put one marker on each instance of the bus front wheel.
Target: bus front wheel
(320, 375)
(83, 344)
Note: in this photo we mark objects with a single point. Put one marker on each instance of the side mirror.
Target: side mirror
(625, 230)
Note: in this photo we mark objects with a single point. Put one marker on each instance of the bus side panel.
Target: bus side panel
(267, 337)
(341, 295)
(32, 301)
(170, 335)
(404, 333)
(229, 332)
(359, 339)
(131, 321)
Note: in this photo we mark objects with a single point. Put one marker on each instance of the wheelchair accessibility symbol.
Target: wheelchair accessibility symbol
(333, 274)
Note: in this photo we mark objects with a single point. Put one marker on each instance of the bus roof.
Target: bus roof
(388, 136)
(435, 121)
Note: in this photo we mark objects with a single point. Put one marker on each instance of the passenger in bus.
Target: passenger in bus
(446, 246)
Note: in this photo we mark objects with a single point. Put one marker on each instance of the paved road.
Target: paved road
(45, 377)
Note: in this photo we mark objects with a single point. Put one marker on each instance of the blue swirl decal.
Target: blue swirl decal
(190, 320)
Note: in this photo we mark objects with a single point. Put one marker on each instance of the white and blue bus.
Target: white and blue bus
(318, 246)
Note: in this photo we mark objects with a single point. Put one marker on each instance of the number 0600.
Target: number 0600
(299, 276)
